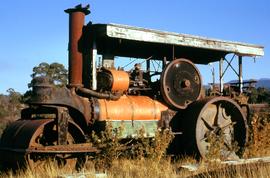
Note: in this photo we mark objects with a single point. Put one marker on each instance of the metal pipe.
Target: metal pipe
(76, 23)
(91, 93)
(240, 74)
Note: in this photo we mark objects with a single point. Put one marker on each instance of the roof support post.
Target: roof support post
(240, 74)
(213, 75)
(221, 75)
(148, 66)
(94, 72)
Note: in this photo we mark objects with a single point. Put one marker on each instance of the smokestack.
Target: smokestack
(76, 23)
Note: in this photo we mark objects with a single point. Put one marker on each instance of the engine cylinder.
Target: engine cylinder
(113, 80)
(130, 108)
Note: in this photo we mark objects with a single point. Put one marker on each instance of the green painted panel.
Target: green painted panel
(131, 128)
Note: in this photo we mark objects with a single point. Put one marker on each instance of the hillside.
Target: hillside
(263, 82)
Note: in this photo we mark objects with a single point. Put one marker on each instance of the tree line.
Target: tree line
(13, 102)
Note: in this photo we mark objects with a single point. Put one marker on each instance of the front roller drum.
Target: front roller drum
(24, 135)
(210, 124)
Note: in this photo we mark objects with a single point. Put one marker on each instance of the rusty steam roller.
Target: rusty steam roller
(163, 92)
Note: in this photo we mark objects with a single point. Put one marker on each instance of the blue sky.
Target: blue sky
(34, 31)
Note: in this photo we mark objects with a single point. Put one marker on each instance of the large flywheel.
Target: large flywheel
(181, 83)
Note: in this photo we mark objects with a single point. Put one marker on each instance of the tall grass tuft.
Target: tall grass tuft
(259, 144)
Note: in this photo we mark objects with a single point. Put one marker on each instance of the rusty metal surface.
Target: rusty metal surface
(76, 23)
(62, 125)
(250, 109)
(24, 140)
(206, 121)
(258, 108)
(49, 136)
(18, 135)
(56, 149)
(130, 108)
(181, 83)
(222, 117)
(46, 94)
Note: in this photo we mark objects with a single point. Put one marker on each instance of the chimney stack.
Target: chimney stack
(76, 23)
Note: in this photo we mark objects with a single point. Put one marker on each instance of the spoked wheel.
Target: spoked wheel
(48, 136)
(218, 123)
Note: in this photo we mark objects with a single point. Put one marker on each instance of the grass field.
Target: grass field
(151, 168)
(163, 166)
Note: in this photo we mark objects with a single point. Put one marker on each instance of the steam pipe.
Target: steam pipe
(91, 93)
(76, 23)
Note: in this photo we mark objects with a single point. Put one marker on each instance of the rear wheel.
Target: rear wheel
(212, 127)
(221, 129)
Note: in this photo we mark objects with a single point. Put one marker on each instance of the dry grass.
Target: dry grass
(259, 136)
(125, 168)
(243, 171)
(150, 161)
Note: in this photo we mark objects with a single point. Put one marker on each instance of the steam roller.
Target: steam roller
(163, 92)
(58, 121)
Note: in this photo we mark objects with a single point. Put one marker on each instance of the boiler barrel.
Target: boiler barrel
(130, 108)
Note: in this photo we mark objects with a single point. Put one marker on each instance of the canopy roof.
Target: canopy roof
(123, 40)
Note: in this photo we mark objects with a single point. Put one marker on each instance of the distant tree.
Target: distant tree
(11, 104)
(4, 101)
(55, 71)
(15, 104)
(14, 97)
(253, 95)
(263, 95)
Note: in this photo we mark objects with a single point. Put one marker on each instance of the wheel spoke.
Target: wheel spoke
(207, 125)
(216, 119)
(230, 124)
